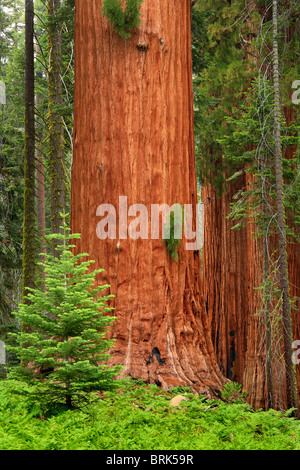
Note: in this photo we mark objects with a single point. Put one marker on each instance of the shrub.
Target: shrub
(124, 15)
(232, 393)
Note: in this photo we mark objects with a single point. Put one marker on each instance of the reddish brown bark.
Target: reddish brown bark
(232, 269)
(254, 377)
(225, 280)
(133, 136)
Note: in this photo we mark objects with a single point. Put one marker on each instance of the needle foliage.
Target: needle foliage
(124, 15)
(62, 346)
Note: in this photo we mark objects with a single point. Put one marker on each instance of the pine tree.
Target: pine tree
(55, 120)
(29, 155)
(282, 243)
(63, 349)
(11, 160)
(241, 124)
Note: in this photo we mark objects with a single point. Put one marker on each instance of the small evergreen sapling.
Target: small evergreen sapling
(62, 348)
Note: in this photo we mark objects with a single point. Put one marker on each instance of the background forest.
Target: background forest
(246, 109)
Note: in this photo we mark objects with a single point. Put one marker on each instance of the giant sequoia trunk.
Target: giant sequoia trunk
(226, 280)
(233, 266)
(133, 137)
(232, 269)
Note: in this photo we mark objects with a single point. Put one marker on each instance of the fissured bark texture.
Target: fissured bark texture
(226, 280)
(232, 269)
(133, 137)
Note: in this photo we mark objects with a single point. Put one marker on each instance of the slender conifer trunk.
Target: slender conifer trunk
(40, 188)
(267, 317)
(282, 246)
(29, 154)
(56, 130)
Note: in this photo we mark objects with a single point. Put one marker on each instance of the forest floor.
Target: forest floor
(136, 416)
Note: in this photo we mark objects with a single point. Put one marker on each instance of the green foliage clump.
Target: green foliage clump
(137, 416)
(124, 15)
(62, 346)
(249, 149)
(173, 231)
(11, 159)
(232, 393)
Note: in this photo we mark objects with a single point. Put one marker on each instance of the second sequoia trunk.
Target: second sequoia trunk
(232, 269)
(133, 137)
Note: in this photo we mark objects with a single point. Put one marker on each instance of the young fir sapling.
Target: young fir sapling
(62, 346)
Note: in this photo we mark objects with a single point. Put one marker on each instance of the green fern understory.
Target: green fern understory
(139, 417)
